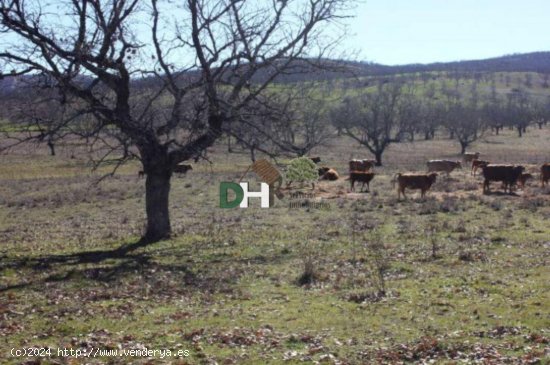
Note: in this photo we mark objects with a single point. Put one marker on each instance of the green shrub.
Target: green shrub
(302, 169)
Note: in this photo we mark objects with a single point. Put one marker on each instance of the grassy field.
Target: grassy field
(465, 276)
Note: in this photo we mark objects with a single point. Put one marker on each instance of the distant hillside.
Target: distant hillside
(337, 69)
(527, 62)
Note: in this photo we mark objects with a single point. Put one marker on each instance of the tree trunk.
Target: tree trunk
(378, 157)
(520, 132)
(229, 149)
(157, 191)
(463, 147)
(52, 148)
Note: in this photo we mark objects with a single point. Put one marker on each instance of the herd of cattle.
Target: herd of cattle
(509, 175)
(361, 171)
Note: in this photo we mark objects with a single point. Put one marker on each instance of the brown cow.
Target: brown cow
(544, 174)
(478, 164)
(178, 169)
(362, 177)
(323, 170)
(361, 165)
(182, 169)
(315, 159)
(522, 180)
(445, 166)
(415, 181)
(470, 156)
(508, 174)
(326, 173)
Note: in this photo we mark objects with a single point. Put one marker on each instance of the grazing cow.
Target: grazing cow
(362, 177)
(423, 182)
(182, 169)
(141, 174)
(361, 165)
(326, 173)
(315, 159)
(445, 166)
(478, 164)
(508, 174)
(544, 174)
(522, 180)
(470, 156)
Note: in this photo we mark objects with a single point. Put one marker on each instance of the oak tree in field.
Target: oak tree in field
(161, 80)
(464, 118)
(519, 110)
(372, 118)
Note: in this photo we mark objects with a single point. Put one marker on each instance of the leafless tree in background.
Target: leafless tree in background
(519, 110)
(372, 119)
(162, 77)
(464, 118)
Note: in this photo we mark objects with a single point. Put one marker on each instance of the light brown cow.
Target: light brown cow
(327, 173)
(478, 164)
(544, 174)
(362, 177)
(422, 182)
(445, 166)
(470, 156)
(361, 165)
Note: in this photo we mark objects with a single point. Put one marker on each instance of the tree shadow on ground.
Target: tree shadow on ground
(501, 193)
(112, 265)
(101, 265)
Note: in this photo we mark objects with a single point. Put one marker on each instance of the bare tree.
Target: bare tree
(372, 119)
(304, 121)
(161, 80)
(545, 78)
(464, 118)
(519, 111)
(412, 114)
(541, 112)
(291, 121)
(432, 113)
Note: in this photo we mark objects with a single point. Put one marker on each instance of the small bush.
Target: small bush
(302, 170)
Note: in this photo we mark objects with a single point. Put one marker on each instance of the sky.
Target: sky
(423, 31)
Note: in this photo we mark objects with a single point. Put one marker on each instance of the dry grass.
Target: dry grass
(226, 286)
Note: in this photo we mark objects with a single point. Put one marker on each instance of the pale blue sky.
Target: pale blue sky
(410, 31)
